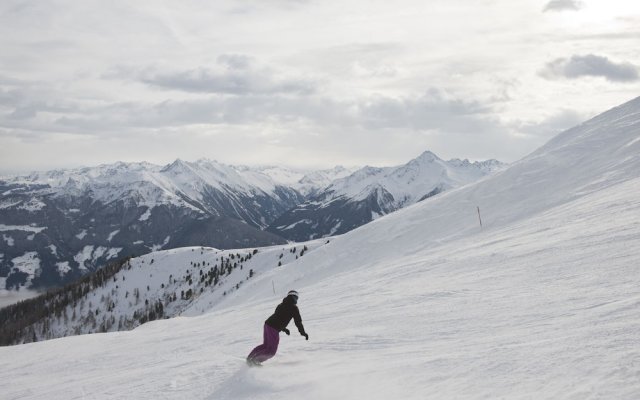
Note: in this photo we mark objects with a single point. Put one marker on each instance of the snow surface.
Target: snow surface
(27, 228)
(63, 267)
(146, 215)
(8, 239)
(313, 181)
(28, 263)
(8, 203)
(113, 234)
(113, 252)
(335, 228)
(84, 255)
(302, 221)
(281, 175)
(541, 303)
(159, 246)
(99, 252)
(33, 205)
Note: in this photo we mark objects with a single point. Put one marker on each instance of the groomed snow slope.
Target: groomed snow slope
(543, 303)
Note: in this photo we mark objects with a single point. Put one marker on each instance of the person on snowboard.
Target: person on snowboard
(274, 325)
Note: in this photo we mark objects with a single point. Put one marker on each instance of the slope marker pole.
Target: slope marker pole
(274, 287)
(479, 217)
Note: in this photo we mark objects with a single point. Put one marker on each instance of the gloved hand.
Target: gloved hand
(306, 336)
(285, 330)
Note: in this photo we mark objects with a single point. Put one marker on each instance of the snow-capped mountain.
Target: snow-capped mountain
(541, 302)
(314, 182)
(58, 225)
(205, 186)
(369, 193)
(55, 226)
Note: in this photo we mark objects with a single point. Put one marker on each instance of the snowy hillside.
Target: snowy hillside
(423, 303)
(163, 284)
(370, 192)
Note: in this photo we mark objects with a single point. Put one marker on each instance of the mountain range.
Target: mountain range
(58, 225)
(370, 193)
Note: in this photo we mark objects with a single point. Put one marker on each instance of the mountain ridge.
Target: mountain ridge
(371, 192)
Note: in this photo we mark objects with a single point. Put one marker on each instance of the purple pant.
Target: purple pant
(267, 349)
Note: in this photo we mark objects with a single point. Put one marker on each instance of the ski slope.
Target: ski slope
(542, 303)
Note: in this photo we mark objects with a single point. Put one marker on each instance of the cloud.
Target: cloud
(433, 110)
(364, 129)
(235, 61)
(629, 35)
(232, 74)
(563, 5)
(24, 100)
(361, 70)
(256, 6)
(590, 65)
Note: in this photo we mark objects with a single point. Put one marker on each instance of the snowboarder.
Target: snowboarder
(274, 325)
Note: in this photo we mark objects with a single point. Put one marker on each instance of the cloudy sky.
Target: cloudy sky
(306, 83)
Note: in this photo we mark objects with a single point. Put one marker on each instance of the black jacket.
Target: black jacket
(283, 314)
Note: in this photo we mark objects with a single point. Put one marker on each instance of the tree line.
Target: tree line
(17, 320)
